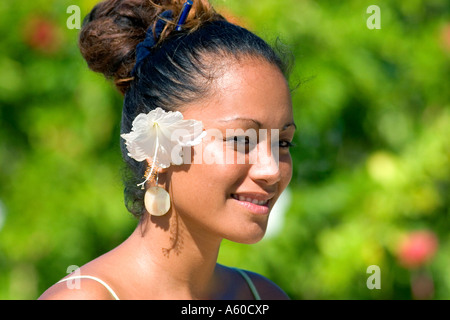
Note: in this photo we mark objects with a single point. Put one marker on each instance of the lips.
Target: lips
(257, 203)
(249, 198)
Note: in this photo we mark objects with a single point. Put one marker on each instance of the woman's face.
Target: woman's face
(217, 194)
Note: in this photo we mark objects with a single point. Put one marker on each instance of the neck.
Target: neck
(177, 260)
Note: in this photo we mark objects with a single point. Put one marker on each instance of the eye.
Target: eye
(239, 143)
(238, 140)
(286, 144)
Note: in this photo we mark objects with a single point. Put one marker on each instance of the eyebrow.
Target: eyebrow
(285, 127)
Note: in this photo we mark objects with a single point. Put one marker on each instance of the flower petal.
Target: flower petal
(158, 132)
(187, 132)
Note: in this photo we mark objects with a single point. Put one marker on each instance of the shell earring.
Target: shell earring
(145, 142)
(157, 201)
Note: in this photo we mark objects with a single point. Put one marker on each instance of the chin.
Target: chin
(251, 240)
(250, 235)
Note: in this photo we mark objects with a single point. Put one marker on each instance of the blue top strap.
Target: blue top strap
(250, 283)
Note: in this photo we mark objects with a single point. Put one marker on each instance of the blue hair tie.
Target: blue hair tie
(184, 14)
(144, 49)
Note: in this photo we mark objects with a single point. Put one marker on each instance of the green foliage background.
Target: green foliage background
(371, 162)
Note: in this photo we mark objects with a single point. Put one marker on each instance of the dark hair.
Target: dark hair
(179, 70)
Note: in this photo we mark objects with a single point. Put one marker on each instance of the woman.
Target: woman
(188, 68)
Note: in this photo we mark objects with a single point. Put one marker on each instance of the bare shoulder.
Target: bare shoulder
(85, 283)
(267, 289)
(83, 289)
(92, 281)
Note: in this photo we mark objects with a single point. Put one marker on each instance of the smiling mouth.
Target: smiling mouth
(253, 200)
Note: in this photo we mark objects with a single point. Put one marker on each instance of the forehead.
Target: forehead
(251, 89)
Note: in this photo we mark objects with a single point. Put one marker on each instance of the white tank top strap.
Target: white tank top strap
(95, 279)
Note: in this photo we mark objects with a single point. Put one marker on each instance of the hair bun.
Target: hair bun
(113, 29)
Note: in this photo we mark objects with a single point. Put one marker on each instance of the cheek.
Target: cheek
(286, 170)
(201, 184)
(201, 189)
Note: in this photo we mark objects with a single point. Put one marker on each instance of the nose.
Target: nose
(266, 169)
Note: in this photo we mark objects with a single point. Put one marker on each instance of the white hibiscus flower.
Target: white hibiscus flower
(154, 135)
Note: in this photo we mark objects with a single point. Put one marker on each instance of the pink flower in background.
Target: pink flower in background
(42, 34)
(417, 248)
